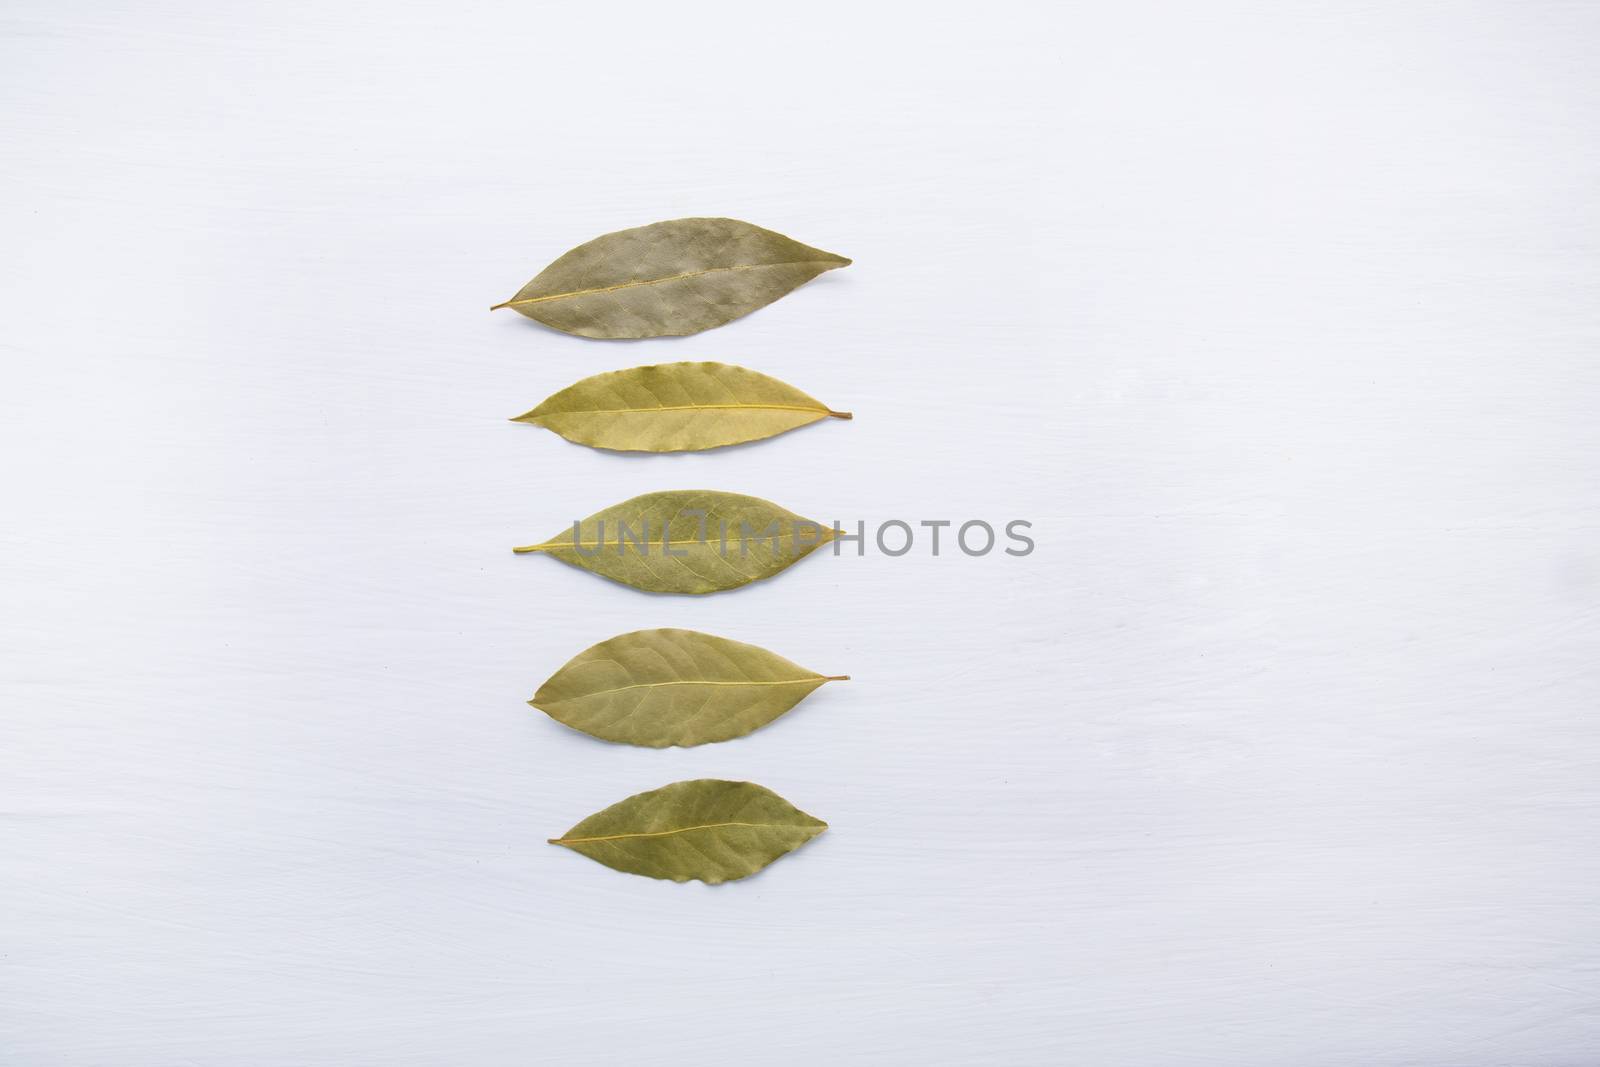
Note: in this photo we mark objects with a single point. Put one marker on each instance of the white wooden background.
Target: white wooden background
(1278, 320)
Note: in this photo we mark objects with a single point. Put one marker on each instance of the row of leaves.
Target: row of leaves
(665, 687)
(679, 687)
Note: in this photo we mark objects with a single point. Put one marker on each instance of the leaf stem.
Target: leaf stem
(842, 414)
(835, 677)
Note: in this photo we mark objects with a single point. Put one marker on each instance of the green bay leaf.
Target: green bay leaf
(706, 829)
(686, 541)
(676, 407)
(674, 687)
(668, 279)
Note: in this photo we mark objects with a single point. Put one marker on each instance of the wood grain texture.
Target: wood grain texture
(1275, 319)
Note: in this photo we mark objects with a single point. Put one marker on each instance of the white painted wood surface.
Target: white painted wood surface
(1277, 320)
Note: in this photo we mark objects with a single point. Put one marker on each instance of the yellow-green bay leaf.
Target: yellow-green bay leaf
(686, 541)
(676, 407)
(708, 829)
(668, 279)
(674, 687)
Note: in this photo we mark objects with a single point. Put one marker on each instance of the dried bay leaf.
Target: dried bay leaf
(668, 279)
(686, 541)
(676, 407)
(709, 829)
(674, 687)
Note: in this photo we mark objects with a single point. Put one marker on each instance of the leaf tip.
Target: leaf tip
(497, 307)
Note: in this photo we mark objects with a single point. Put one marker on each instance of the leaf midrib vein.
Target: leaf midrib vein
(689, 681)
(545, 546)
(819, 409)
(669, 833)
(649, 281)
